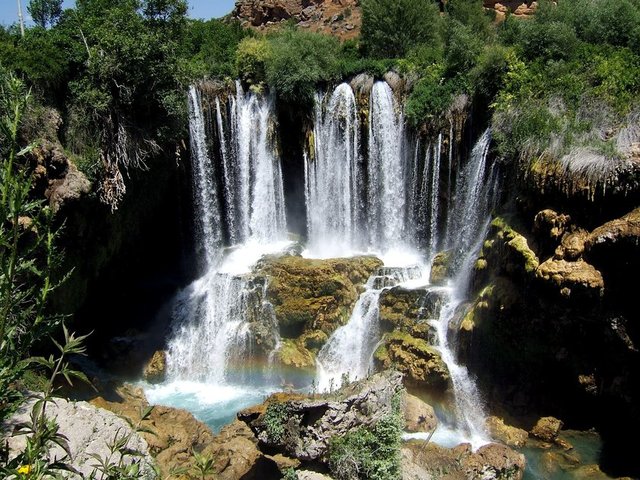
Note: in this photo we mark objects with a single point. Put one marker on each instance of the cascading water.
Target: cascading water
(348, 354)
(332, 175)
(477, 187)
(211, 325)
(435, 198)
(208, 232)
(386, 170)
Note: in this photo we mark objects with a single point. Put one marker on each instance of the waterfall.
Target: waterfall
(209, 329)
(211, 317)
(477, 188)
(260, 210)
(472, 199)
(386, 169)
(229, 180)
(349, 351)
(434, 198)
(332, 175)
(207, 219)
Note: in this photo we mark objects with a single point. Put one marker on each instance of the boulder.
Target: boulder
(309, 475)
(551, 224)
(571, 277)
(622, 230)
(510, 436)
(408, 310)
(311, 295)
(440, 268)
(302, 427)
(429, 461)
(572, 245)
(155, 371)
(547, 429)
(421, 363)
(418, 415)
(292, 354)
(89, 431)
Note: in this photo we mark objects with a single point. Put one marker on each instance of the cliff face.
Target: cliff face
(341, 18)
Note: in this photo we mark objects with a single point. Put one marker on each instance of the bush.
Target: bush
(369, 453)
(299, 61)
(252, 56)
(548, 41)
(390, 28)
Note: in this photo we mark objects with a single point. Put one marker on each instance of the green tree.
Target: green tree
(390, 28)
(45, 12)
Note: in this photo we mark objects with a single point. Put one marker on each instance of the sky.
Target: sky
(197, 9)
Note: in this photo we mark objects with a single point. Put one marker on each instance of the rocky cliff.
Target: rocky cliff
(342, 18)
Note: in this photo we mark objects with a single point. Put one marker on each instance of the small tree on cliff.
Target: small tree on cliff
(45, 12)
(390, 28)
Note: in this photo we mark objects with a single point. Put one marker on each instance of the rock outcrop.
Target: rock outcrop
(510, 436)
(56, 177)
(156, 370)
(342, 18)
(547, 429)
(302, 427)
(420, 362)
(89, 431)
(422, 461)
(418, 415)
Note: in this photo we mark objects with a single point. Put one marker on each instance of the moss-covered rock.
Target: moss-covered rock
(293, 354)
(440, 268)
(314, 295)
(421, 363)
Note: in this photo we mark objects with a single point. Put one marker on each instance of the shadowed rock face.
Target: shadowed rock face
(303, 427)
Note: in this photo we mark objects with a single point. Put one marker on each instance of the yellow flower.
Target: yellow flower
(24, 469)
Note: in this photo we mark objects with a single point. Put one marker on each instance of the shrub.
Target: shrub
(548, 41)
(299, 61)
(369, 453)
(390, 28)
(252, 56)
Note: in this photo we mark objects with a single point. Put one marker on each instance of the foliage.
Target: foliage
(28, 257)
(275, 419)
(391, 28)
(45, 12)
(369, 453)
(290, 474)
(301, 60)
(252, 56)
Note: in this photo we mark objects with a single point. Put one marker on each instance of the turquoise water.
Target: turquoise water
(554, 463)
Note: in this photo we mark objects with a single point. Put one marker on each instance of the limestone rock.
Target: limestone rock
(494, 461)
(421, 363)
(422, 461)
(293, 354)
(551, 224)
(311, 295)
(572, 246)
(547, 429)
(510, 436)
(156, 370)
(624, 231)
(408, 310)
(308, 475)
(342, 18)
(418, 415)
(571, 277)
(303, 427)
(440, 268)
(89, 431)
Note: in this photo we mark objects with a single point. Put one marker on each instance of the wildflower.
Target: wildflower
(24, 469)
